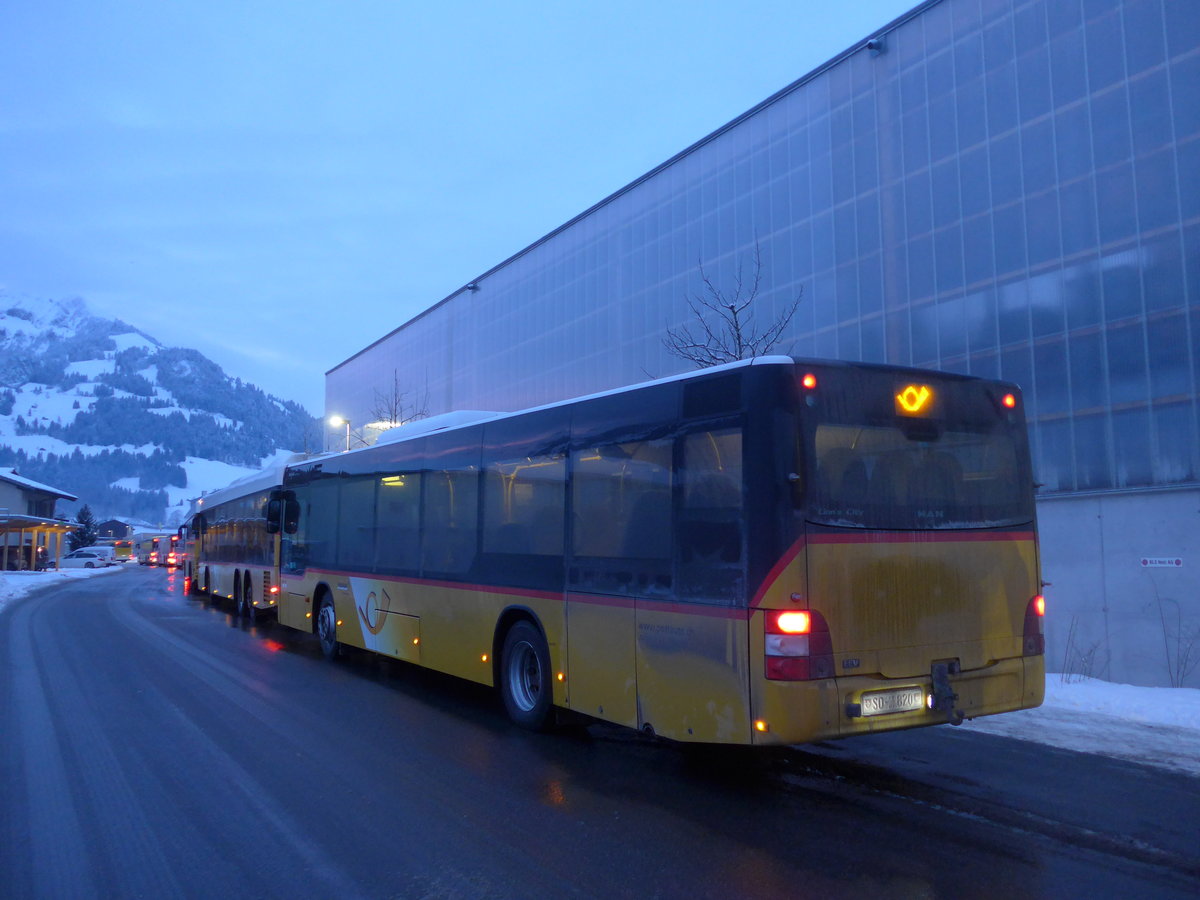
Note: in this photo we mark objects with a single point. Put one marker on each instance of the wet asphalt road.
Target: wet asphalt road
(153, 746)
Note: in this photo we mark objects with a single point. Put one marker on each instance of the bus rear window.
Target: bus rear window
(872, 465)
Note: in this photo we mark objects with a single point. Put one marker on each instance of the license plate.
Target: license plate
(880, 703)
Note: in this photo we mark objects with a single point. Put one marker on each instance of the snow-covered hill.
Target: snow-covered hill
(133, 427)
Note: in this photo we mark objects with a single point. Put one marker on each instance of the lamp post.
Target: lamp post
(337, 422)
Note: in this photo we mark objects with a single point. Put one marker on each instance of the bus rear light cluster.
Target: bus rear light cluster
(797, 645)
(1035, 627)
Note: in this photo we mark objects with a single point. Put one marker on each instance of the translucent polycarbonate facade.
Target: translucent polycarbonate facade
(1000, 188)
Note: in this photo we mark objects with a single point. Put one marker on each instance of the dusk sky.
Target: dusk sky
(278, 184)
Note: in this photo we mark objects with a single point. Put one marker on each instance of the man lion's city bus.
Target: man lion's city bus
(772, 551)
(230, 553)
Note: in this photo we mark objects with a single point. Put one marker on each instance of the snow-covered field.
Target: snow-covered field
(1155, 726)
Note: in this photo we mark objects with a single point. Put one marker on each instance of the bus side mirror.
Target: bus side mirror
(291, 515)
(272, 513)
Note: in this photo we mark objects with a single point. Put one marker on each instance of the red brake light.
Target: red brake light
(791, 622)
(809, 381)
(797, 645)
(1034, 637)
(1010, 401)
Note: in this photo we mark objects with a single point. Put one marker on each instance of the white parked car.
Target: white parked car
(87, 558)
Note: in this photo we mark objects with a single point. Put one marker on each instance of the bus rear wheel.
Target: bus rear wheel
(525, 679)
(327, 628)
(251, 611)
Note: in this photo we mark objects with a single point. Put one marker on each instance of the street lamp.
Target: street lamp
(337, 422)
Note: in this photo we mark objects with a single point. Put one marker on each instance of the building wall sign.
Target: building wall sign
(1161, 562)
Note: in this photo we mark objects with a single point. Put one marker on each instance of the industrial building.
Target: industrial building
(996, 187)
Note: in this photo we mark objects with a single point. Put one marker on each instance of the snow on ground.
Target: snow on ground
(204, 476)
(46, 404)
(18, 584)
(92, 368)
(1153, 726)
(33, 444)
(129, 339)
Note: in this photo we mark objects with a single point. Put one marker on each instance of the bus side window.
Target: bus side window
(398, 533)
(451, 519)
(356, 523)
(523, 506)
(710, 533)
(316, 540)
(621, 515)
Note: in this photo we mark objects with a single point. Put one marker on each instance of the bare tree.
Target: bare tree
(395, 406)
(723, 326)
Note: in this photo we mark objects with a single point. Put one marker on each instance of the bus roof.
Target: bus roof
(254, 483)
(462, 418)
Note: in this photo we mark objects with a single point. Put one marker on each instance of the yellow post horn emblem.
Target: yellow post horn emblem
(914, 399)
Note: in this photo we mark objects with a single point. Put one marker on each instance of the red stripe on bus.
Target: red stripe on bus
(457, 585)
(776, 570)
(699, 609)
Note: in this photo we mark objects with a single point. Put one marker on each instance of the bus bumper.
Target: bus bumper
(803, 712)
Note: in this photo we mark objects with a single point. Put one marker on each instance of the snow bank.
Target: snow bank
(1179, 707)
(19, 584)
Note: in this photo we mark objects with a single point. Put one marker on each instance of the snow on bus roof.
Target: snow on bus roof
(464, 417)
(453, 419)
(254, 483)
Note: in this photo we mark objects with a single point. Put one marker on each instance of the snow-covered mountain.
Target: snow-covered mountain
(134, 428)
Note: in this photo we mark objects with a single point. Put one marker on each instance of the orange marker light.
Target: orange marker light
(762, 726)
(483, 658)
(561, 676)
(1010, 401)
(1039, 605)
(809, 381)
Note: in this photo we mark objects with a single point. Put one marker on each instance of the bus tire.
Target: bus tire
(251, 612)
(237, 595)
(327, 628)
(526, 683)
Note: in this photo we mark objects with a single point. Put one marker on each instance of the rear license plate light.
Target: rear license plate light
(882, 703)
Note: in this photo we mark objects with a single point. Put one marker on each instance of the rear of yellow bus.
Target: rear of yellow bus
(910, 594)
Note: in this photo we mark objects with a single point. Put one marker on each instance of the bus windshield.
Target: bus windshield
(909, 450)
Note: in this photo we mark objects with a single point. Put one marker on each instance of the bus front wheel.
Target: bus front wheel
(525, 679)
(327, 628)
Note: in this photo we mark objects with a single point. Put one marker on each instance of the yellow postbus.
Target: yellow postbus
(773, 551)
(151, 548)
(229, 552)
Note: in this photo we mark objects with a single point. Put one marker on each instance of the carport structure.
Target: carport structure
(21, 537)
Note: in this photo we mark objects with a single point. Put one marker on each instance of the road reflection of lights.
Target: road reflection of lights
(273, 646)
(553, 794)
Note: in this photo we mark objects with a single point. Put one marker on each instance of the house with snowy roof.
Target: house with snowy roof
(29, 532)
